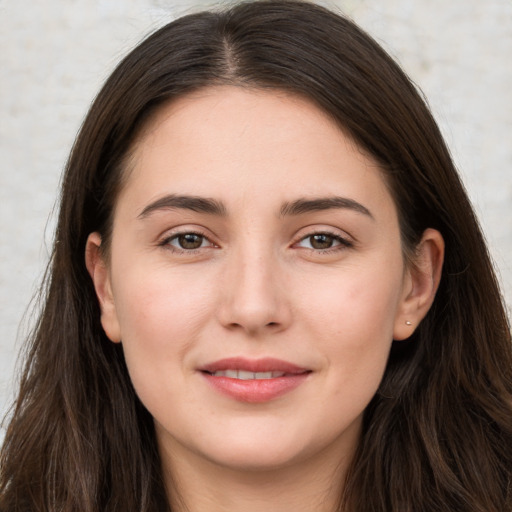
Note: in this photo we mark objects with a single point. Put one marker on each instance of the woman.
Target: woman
(268, 289)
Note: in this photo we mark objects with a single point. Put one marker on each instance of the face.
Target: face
(255, 279)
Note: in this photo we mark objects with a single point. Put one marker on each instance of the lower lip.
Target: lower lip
(256, 390)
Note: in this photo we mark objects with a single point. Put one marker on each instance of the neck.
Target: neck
(198, 485)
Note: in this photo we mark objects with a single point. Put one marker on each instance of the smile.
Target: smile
(254, 380)
(246, 375)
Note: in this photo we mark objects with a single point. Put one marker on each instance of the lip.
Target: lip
(266, 364)
(254, 390)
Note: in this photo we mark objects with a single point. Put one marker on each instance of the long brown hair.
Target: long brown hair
(438, 434)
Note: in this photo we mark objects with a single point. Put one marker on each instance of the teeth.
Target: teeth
(263, 375)
(245, 375)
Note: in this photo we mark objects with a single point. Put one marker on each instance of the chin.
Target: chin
(255, 459)
(266, 448)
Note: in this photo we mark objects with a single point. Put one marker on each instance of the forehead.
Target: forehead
(236, 142)
(232, 107)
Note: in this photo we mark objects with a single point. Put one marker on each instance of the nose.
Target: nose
(254, 295)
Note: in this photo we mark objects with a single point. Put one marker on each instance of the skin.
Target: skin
(258, 285)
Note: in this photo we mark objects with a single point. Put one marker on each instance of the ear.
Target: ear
(100, 275)
(420, 284)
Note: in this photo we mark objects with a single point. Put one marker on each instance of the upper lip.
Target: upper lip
(267, 364)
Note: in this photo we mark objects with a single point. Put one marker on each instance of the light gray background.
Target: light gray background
(54, 55)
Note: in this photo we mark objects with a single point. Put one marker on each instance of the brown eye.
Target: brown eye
(322, 241)
(188, 241)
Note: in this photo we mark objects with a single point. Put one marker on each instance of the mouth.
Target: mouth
(246, 375)
(256, 380)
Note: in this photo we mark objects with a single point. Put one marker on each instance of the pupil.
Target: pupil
(190, 241)
(321, 241)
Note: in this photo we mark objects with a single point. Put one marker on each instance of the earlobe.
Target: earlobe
(100, 275)
(420, 284)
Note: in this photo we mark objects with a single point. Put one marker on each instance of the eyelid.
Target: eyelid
(171, 234)
(345, 240)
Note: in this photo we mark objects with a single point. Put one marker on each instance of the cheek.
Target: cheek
(160, 300)
(355, 302)
(351, 321)
(161, 315)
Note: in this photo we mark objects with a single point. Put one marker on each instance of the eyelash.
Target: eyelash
(341, 242)
(166, 242)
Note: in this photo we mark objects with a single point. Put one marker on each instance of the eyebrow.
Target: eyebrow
(183, 202)
(304, 205)
(214, 207)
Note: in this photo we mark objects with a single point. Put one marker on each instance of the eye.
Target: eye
(323, 241)
(188, 241)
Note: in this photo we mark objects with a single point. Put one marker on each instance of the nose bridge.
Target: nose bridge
(254, 298)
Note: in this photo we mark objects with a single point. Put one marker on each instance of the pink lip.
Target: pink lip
(267, 364)
(257, 390)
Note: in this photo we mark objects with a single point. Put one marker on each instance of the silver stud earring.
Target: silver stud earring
(408, 323)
